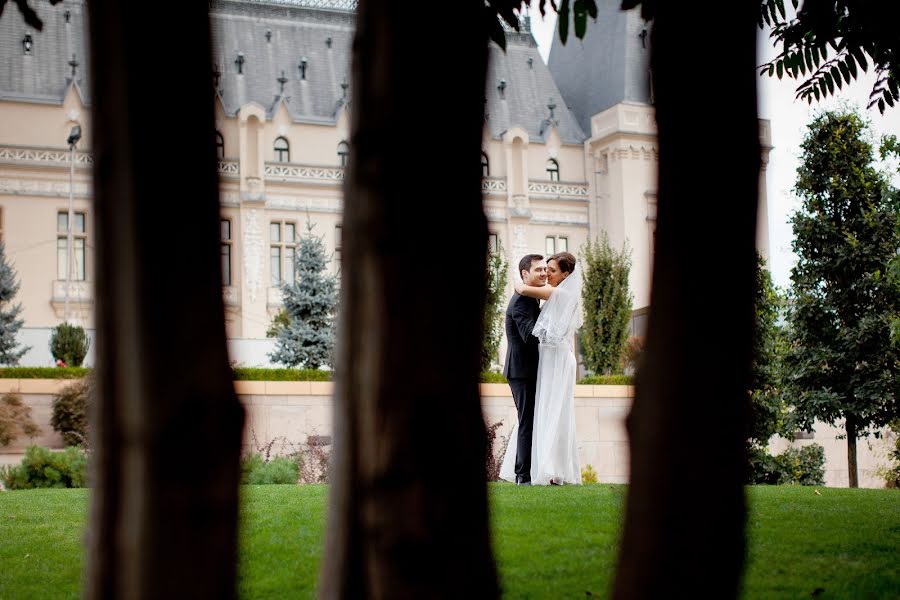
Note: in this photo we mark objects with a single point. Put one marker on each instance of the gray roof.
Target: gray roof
(43, 74)
(274, 36)
(610, 65)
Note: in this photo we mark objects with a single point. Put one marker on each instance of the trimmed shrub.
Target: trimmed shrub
(252, 374)
(43, 468)
(70, 412)
(43, 373)
(280, 470)
(15, 419)
(607, 380)
(69, 344)
(795, 466)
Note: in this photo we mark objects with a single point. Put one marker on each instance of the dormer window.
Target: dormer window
(553, 170)
(343, 153)
(485, 166)
(282, 150)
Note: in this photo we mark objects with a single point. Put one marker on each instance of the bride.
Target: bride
(554, 451)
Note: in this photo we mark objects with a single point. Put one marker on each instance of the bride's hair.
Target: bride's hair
(565, 261)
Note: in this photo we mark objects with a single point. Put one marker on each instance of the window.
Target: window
(343, 153)
(485, 166)
(493, 243)
(282, 150)
(338, 233)
(220, 146)
(553, 170)
(79, 239)
(556, 243)
(282, 244)
(226, 251)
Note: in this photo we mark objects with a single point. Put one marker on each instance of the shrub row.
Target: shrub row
(44, 468)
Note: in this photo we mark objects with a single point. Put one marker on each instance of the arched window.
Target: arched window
(282, 150)
(220, 146)
(485, 166)
(343, 153)
(553, 170)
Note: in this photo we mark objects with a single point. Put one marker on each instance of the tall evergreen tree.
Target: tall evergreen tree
(310, 301)
(842, 364)
(10, 323)
(606, 303)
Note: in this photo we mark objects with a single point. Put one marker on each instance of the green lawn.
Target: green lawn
(550, 542)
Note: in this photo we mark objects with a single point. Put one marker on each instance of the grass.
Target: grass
(549, 542)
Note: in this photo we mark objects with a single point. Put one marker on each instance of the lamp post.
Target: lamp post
(74, 136)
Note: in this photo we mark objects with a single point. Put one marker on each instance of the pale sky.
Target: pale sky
(789, 119)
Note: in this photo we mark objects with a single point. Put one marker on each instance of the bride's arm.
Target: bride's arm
(541, 293)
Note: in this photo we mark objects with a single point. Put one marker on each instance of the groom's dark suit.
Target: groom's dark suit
(521, 370)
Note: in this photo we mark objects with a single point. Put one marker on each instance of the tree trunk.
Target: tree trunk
(684, 523)
(852, 433)
(167, 425)
(408, 515)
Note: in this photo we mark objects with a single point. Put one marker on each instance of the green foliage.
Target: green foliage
(495, 273)
(70, 412)
(253, 374)
(607, 305)
(279, 470)
(10, 323)
(841, 363)
(506, 10)
(769, 344)
(795, 466)
(43, 373)
(69, 344)
(492, 377)
(607, 380)
(43, 468)
(280, 321)
(831, 43)
(589, 475)
(891, 473)
(15, 419)
(310, 302)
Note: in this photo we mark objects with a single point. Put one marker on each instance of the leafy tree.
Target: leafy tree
(607, 305)
(766, 406)
(493, 306)
(10, 323)
(310, 302)
(853, 29)
(842, 364)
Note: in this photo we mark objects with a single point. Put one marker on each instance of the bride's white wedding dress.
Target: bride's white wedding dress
(554, 450)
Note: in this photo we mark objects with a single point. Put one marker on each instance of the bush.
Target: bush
(607, 380)
(795, 466)
(492, 377)
(493, 458)
(70, 412)
(43, 373)
(42, 468)
(253, 374)
(15, 419)
(589, 475)
(256, 471)
(69, 344)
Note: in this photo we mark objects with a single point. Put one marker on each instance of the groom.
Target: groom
(521, 365)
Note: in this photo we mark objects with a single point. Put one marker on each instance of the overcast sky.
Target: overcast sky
(788, 118)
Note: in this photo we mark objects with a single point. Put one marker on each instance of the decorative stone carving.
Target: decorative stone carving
(284, 172)
(520, 245)
(254, 254)
(576, 190)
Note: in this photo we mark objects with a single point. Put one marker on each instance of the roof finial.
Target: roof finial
(344, 86)
(551, 106)
(282, 80)
(74, 64)
(239, 61)
(502, 88)
(302, 67)
(269, 36)
(216, 75)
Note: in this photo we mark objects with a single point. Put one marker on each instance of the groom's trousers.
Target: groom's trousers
(524, 391)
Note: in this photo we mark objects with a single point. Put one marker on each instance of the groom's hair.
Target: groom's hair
(565, 261)
(525, 263)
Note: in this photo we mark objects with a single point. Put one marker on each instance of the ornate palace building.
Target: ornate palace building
(569, 150)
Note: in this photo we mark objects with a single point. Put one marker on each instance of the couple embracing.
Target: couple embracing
(540, 367)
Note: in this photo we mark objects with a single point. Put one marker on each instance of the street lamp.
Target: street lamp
(74, 136)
